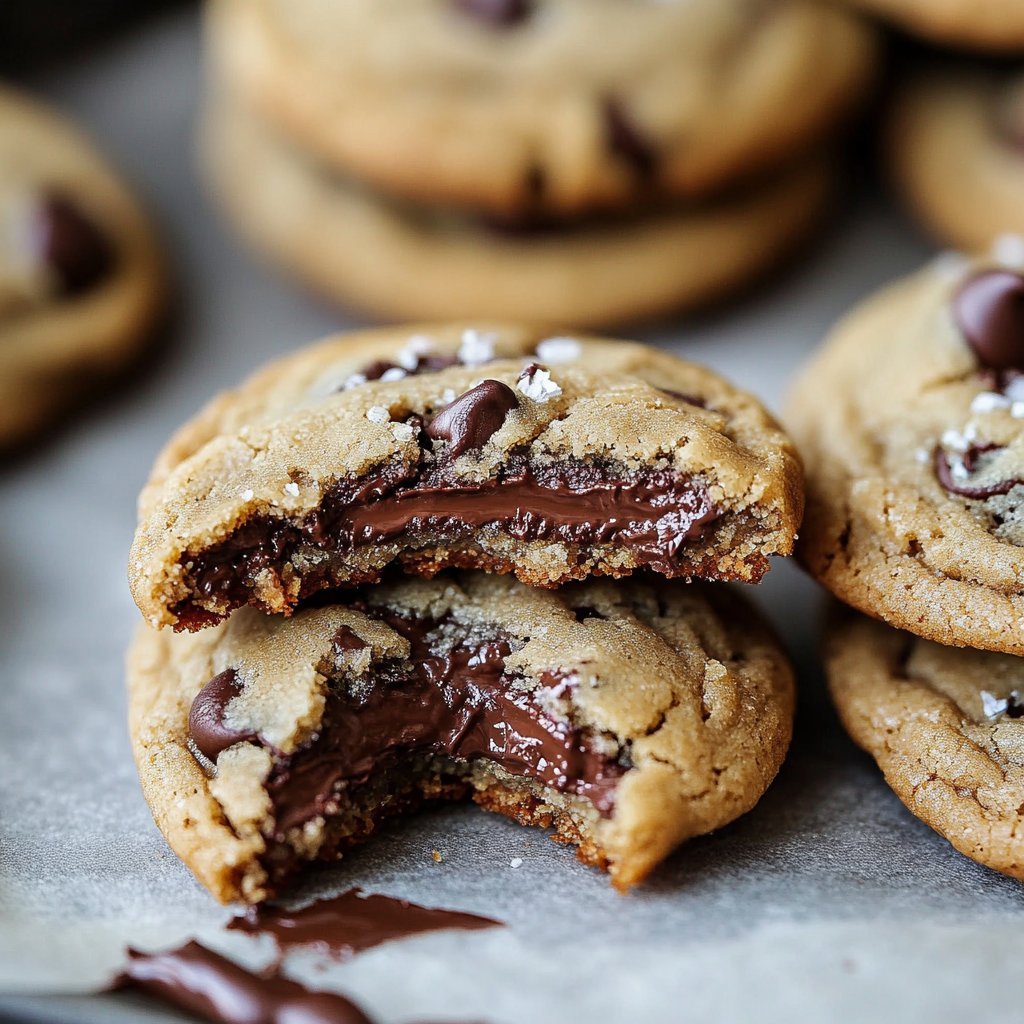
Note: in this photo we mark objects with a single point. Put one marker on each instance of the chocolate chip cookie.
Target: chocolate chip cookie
(80, 278)
(996, 26)
(555, 105)
(956, 148)
(399, 261)
(626, 716)
(555, 458)
(944, 725)
(911, 422)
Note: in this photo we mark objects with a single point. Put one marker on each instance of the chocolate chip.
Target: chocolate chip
(626, 141)
(206, 717)
(497, 13)
(65, 240)
(469, 421)
(989, 310)
(970, 459)
(345, 639)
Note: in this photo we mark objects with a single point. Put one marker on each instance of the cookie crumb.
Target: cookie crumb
(378, 414)
(437, 856)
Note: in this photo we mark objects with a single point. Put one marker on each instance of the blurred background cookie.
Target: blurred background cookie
(80, 276)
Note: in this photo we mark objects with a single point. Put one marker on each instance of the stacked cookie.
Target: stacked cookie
(910, 421)
(81, 280)
(591, 161)
(372, 578)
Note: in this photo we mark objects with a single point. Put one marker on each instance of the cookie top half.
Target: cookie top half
(628, 716)
(911, 423)
(557, 105)
(996, 26)
(554, 458)
(945, 726)
(80, 275)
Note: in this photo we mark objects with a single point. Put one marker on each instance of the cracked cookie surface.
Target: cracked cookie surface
(396, 261)
(626, 716)
(910, 420)
(80, 277)
(579, 457)
(574, 105)
(955, 143)
(945, 726)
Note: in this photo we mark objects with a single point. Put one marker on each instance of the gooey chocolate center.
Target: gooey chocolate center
(451, 701)
(650, 513)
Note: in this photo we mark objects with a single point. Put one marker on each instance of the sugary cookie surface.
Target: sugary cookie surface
(911, 422)
(553, 458)
(627, 716)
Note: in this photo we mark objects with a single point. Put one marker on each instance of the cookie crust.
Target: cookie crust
(715, 90)
(687, 679)
(923, 712)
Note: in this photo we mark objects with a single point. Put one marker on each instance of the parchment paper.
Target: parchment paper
(828, 902)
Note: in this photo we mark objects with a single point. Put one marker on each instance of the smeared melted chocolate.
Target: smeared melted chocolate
(970, 459)
(651, 513)
(423, 364)
(202, 982)
(347, 924)
(459, 704)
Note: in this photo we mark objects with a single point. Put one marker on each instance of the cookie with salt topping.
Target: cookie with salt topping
(474, 447)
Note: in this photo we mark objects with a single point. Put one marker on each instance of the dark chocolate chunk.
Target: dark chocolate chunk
(347, 924)
(469, 422)
(498, 13)
(346, 640)
(989, 310)
(206, 723)
(202, 982)
(970, 457)
(65, 240)
(625, 140)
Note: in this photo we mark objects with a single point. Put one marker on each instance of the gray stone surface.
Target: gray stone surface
(829, 902)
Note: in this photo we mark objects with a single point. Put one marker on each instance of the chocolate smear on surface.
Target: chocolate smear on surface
(625, 140)
(202, 982)
(470, 420)
(989, 310)
(345, 925)
(206, 725)
(496, 13)
(944, 472)
(70, 244)
(458, 704)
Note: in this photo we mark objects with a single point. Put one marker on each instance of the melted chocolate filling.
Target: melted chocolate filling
(459, 704)
(347, 924)
(651, 514)
(209, 985)
(970, 459)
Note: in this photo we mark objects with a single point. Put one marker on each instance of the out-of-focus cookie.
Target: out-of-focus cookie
(628, 717)
(995, 26)
(944, 725)
(910, 420)
(956, 149)
(399, 261)
(490, 447)
(554, 105)
(80, 277)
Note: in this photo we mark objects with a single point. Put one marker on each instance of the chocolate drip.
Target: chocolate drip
(347, 924)
(66, 241)
(206, 724)
(989, 310)
(458, 704)
(423, 364)
(202, 982)
(651, 514)
(945, 475)
(624, 140)
(469, 422)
